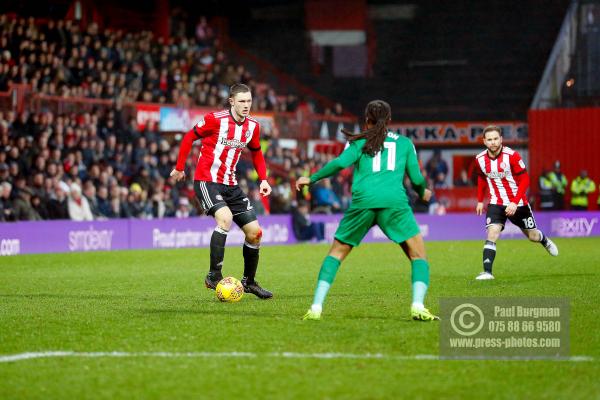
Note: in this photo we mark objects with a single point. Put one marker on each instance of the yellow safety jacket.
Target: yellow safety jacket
(580, 189)
(559, 184)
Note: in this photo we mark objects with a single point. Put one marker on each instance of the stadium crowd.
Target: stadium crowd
(94, 166)
(90, 166)
(57, 58)
(98, 164)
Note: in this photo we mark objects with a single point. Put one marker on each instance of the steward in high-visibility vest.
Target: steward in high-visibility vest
(581, 187)
(546, 191)
(559, 183)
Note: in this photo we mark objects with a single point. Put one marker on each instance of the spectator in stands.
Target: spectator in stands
(463, 179)
(57, 205)
(581, 188)
(164, 166)
(435, 165)
(121, 205)
(89, 191)
(304, 228)
(546, 191)
(559, 185)
(325, 199)
(183, 210)
(169, 202)
(103, 203)
(6, 204)
(204, 33)
(39, 205)
(440, 181)
(159, 208)
(22, 208)
(78, 206)
(4, 173)
(137, 202)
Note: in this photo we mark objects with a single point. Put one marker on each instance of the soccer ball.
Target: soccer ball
(229, 290)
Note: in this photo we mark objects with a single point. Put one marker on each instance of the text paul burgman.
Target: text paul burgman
(530, 312)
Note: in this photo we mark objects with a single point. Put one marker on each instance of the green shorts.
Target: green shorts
(398, 224)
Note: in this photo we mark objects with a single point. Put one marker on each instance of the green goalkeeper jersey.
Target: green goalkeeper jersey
(378, 181)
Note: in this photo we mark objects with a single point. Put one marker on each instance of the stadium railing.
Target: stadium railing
(301, 125)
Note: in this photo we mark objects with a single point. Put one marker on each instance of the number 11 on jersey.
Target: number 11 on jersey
(391, 157)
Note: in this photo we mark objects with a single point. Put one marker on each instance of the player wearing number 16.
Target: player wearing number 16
(223, 136)
(503, 173)
(380, 159)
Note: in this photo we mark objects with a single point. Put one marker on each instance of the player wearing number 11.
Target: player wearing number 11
(380, 159)
(503, 172)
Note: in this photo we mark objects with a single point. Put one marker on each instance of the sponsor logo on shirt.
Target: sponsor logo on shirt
(497, 175)
(232, 143)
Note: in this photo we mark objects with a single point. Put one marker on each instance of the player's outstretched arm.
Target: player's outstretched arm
(344, 160)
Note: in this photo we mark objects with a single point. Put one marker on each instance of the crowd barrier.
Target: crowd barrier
(69, 236)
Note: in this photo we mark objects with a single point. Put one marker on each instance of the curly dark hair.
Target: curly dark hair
(378, 113)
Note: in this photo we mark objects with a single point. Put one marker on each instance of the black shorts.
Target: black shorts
(214, 196)
(523, 217)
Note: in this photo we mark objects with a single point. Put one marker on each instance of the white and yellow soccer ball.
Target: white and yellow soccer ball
(229, 290)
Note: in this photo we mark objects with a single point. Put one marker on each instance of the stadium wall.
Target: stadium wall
(69, 236)
(571, 135)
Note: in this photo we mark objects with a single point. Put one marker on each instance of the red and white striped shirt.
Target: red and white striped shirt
(223, 140)
(505, 176)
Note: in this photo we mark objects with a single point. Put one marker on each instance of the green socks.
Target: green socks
(330, 266)
(327, 274)
(420, 281)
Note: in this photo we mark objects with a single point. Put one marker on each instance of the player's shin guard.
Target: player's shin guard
(217, 251)
(250, 253)
(489, 253)
(420, 281)
(327, 274)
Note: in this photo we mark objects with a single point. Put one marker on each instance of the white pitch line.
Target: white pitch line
(163, 354)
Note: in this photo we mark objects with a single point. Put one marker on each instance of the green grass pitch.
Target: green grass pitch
(138, 302)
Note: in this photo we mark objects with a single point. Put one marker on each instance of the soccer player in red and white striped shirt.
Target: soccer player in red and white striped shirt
(503, 173)
(223, 136)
